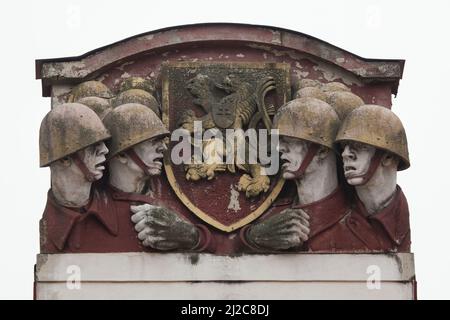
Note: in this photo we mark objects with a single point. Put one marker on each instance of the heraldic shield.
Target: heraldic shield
(220, 97)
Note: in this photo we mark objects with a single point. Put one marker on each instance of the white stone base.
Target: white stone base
(204, 276)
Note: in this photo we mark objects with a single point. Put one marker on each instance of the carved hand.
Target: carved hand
(253, 186)
(285, 230)
(162, 229)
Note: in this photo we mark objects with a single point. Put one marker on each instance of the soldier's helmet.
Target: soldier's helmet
(334, 86)
(379, 127)
(343, 102)
(311, 92)
(137, 83)
(137, 96)
(130, 124)
(309, 119)
(90, 89)
(100, 106)
(67, 129)
(137, 90)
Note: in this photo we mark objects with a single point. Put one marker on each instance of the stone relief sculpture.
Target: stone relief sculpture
(375, 147)
(93, 94)
(109, 142)
(137, 90)
(71, 143)
(308, 127)
(319, 217)
(136, 151)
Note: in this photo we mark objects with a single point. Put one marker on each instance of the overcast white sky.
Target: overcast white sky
(416, 32)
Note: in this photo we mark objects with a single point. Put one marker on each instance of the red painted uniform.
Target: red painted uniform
(103, 225)
(329, 224)
(96, 227)
(391, 225)
(336, 226)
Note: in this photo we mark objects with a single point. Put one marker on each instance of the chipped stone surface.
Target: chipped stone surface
(60, 94)
(275, 42)
(234, 200)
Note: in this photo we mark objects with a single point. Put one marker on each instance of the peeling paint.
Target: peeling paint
(65, 69)
(59, 94)
(147, 37)
(360, 71)
(333, 73)
(124, 65)
(278, 53)
(40, 263)
(232, 236)
(276, 37)
(234, 200)
(389, 69)
(125, 75)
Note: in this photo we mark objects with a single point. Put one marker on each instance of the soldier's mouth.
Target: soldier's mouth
(100, 165)
(285, 163)
(157, 164)
(350, 171)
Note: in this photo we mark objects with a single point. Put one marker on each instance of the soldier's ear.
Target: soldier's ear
(322, 153)
(122, 157)
(66, 162)
(389, 160)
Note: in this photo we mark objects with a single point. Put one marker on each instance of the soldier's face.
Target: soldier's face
(151, 153)
(293, 151)
(356, 158)
(94, 158)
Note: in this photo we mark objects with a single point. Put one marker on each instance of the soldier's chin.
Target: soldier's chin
(355, 181)
(154, 171)
(98, 175)
(288, 175)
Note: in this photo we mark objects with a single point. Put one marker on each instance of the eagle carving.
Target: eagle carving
(232, 103)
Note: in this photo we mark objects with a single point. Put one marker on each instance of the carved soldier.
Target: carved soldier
(316, 221)
(374, 148)
(137, 90)
(136, 151)
(336, 94)
(93, 94)
(71, 143)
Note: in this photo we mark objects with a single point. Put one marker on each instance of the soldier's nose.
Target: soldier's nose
(347, 153)
(102, 149)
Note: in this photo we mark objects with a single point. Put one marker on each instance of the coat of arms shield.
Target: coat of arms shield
(223, 97)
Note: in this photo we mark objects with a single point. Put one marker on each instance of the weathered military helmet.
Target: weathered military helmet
(379, 127)
(67, 129)
(131, 124)
(137, 83)
(343, 102)
(334, 86)
(309, 119)
(304, 83)
(90, 89)
(100, 106)
(137, 96)
(311, 92)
